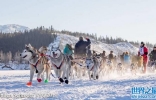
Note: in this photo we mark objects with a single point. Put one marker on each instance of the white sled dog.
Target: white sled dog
(61, 64)
(36, 64)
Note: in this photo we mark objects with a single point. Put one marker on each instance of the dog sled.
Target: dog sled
(79, 60)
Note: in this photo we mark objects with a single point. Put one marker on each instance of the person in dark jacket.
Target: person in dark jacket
(122, 57)
(104, 56)
(81, 45)
(111, 56)
(152, 56)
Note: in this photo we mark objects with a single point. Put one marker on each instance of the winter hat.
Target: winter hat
(142, 43)
(81, 38)
(127, 53)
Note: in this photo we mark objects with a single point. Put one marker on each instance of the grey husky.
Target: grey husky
(61, 64)
(36, 64)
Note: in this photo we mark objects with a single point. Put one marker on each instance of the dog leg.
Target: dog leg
(60, 73)
(40, 74)
(89, 75)
(94, 75)
(39, 79)
(97, 75)
(47, 74)
(67, 74)
(32, 70)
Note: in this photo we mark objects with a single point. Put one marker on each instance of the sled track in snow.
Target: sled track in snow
(13, 84)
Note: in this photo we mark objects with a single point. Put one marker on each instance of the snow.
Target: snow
(14, 66)
(12, 85)
(113, 87)
(11, 28)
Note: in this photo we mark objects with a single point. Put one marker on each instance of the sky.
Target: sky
(130, 19)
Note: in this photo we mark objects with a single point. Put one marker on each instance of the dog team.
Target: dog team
(80, 60)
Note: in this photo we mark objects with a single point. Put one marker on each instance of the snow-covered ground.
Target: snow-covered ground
(13, 87)
(13, 82)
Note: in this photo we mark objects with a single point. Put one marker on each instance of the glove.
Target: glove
(146, 53)
(87, 38)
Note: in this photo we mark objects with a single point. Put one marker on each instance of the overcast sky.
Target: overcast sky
(129, 19)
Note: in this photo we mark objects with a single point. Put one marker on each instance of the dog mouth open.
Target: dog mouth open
(54, 55)
(25, 56)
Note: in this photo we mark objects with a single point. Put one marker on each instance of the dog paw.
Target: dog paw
(65, 78)
(36, 71)
(66, 81)
(39, 80)
(61, 80)
(97, 77)
(29, 83)
(45, 81)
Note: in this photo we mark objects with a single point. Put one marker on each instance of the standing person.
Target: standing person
(143, 51)
(94, 54)
(122, 57)
(68, 51)
(115, 60)
(104, 56)
(80, 47)
(111, 56)
(153, 56)
(126, 58)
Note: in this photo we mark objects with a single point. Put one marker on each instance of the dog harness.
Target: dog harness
(58, 67)
(92, 68)
(35, 64)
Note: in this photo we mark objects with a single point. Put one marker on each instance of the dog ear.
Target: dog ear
(51, 47)
(26, 45)
(45, 48)
(37, 51)
(29, 45)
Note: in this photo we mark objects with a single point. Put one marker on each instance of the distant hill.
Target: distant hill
(11, 28)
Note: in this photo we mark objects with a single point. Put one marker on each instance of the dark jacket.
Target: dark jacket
(80, 47)
(152, 55)
(110, 57)
(122, 57)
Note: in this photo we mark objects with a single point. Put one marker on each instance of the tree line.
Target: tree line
(104, 39)
(11, 44)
